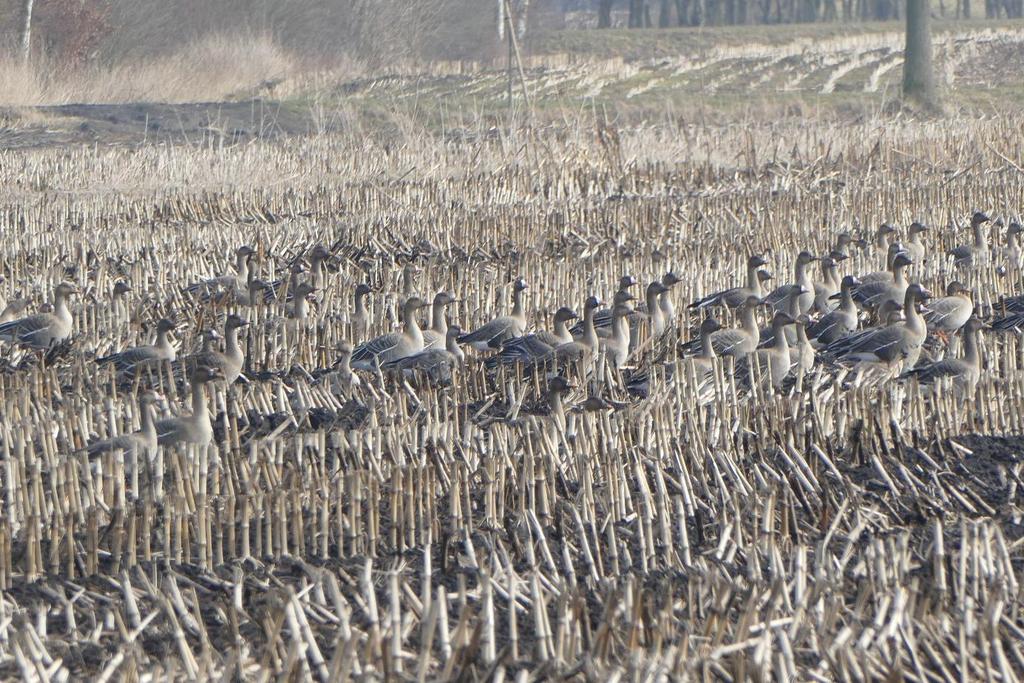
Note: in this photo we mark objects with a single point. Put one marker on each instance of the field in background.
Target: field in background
(243, 88)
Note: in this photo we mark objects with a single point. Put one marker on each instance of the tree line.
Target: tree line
(667, 13)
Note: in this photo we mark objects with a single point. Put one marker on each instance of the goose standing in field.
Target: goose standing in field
(139, 443)
(884, 235)
(773, 363)
(121, 311)
(234, 285)
(842, 246)
(840, 322)
(623, 299)
(130, 359)
(317, 266)
(964, 372)
(232, 360)
(888, 346)
(735, 342)
(734, 297)
(360, 320)
(437, 334)
(884, 275)
(946, 315)
(438, 363)
(195, 428)
(504, 327)
(977, 252)
(616, 345)
(703, 363)
(341, 377)
(1013, 252)
(871, 295)
(789, 305)
(777, 298)
(802, 353)
(603, 317)
(13, 310)
(914, 246)
(668, 309)
(298, 311)
(43, 330)
(532, 348)
(830, 283)
(393, 346)
(654, 312)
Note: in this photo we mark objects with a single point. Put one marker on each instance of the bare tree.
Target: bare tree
(26, 32)
(918, 78)
(604, 14)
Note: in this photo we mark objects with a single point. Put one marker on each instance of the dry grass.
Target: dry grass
(213, 68)
(406, 531)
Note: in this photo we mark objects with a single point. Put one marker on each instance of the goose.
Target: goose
(830, 283)
(791, 305)
(842, 247)
(298, 311)
(735, 342)
(13, 309)
(975, 253)
(914, 246)
(233, 284)
(884, 275)
(616, 345)
(341, 377)
(129, 359)
(360, 314)
(802, 353)
(890, 345)
(230, 362)
(734, 297)
(840, 322)
(195, 428)
(437, 334)
(668, 310)
(438, 364)
(871, 295)
(139, 443)
(532, 348)
(772, 363)
(43, 330)
(777, 298)
(884, 235)
(703, 363)
(946, 315)
(603, 317)
(393, 346)
(503, 327)
(963, 372)
(653, 310)
(1013, 252)
(622, 299)
(317, 268)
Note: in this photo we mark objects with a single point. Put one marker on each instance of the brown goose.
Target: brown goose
(736, 296)
(491, 334)
(437, 333)
(977, 252)
(130, 359)
(891, 345)
(964, 372)
(43, 330)
(393, 346)
(195, 428)
(778, 300)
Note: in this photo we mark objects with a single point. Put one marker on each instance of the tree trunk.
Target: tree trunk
(26, 32)
(918, 79)
(665, 14)
(604, 14)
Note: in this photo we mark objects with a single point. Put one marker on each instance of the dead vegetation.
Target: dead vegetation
(402, 531)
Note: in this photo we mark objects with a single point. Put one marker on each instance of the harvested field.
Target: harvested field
(840, 528)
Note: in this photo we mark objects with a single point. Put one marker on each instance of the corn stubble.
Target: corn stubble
(406, 531)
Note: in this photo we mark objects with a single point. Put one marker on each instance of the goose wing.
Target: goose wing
(30, 330)
(376, 349)
(496, 330)
(948, 313)
(932, 372)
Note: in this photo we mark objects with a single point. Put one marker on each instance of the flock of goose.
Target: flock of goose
(880, 322)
